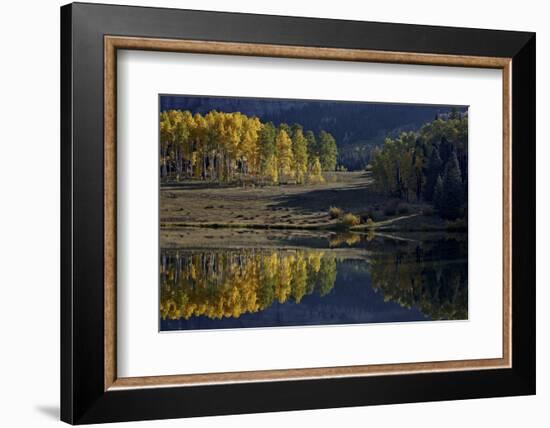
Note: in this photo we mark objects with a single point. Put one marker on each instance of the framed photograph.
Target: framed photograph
(266, 213)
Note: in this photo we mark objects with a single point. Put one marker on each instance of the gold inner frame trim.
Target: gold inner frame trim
(113, 43)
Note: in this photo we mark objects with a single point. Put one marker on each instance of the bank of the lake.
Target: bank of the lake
(196, 204)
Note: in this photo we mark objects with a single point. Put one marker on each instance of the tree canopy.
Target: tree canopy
(429, 165)
(226, 147)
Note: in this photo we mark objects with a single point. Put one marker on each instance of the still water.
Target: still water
(352, 279)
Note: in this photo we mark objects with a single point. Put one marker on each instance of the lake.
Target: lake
(293, 279)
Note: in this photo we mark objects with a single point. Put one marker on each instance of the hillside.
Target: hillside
(357, 127)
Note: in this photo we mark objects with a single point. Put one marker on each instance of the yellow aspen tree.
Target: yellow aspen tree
(181, 138)
(216, 135)
(271, 171)
(285, 157)
(299, 284)
(187, 146)
(315, 172)
(251, 145)
(166, 138)
(284, 277)
(299, 150)
(233, 127)
(220, 285)
(201, 145)
(218, 145)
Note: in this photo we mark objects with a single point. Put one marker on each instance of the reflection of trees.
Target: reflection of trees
(229, 283)
(437, 286)
(350, 239)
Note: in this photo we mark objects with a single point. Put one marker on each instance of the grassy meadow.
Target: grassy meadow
(194, 212)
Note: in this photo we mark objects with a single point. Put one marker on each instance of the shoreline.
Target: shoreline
(326, 227)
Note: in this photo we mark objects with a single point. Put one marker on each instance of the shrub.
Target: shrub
(315, 179)
(350, 220)
(335, 212)
(403, 208)
(370, 222)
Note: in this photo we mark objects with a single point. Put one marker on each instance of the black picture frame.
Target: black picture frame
(83, 398)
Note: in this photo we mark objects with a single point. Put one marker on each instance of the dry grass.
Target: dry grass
(340, 203)
(350, 220)
(335, 212)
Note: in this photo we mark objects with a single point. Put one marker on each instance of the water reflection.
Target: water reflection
(349, 239)
(229, 283)
(399, 280)
(435, 281)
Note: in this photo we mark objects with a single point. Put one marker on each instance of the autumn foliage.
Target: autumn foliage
(430, 165)
(229, 147)
(229, 283)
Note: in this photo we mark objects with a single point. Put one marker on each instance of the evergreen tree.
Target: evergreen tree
(327, 275)
(432, 172)
(285, 127)
(419, 180)
(328, 151)
(294, 129)
(438, 192)
(451, 204)
(312, 149)
(454, 113)
(409, 165)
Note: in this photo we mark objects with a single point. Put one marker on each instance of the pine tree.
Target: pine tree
(285, 127)
(312, 149)
(432, 172)
(438, 192)
(454, 113)
(453, 196)
(294, 129)
(328, 151)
